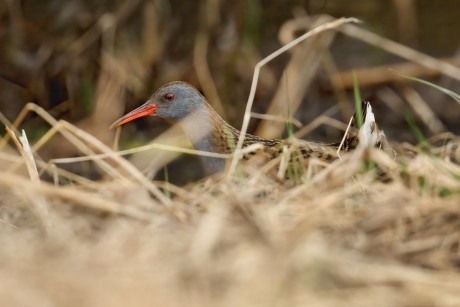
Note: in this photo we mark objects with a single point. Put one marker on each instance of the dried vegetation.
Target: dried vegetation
(339, 235)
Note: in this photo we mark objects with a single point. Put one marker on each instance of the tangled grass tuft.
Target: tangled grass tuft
(340, 236)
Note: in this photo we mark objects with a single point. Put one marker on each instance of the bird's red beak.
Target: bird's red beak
(144, 110)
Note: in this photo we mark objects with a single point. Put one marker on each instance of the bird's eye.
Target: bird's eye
(169, 97)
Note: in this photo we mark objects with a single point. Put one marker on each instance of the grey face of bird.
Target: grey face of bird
(176, 101)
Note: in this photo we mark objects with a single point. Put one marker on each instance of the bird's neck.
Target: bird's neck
(207, 131)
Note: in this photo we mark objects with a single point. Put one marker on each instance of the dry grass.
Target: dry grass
(339, 236)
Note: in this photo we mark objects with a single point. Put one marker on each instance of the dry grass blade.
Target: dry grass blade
(200, 54)
(41, 206)
(277, 118)
(298, 74)
(405, 52)
(421, 108)
(383, 74)
(73, 196)
(26, 153)
(86, 143)
(247, 114)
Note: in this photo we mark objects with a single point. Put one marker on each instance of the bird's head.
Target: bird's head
(175, 101)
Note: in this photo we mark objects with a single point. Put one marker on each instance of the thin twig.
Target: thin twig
(247, 114)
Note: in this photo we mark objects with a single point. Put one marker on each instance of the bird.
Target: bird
(181, 102)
